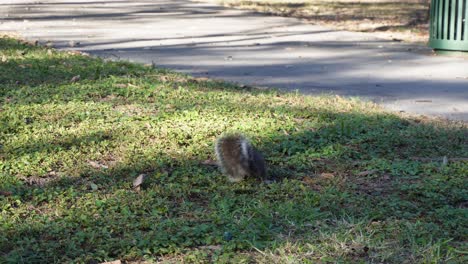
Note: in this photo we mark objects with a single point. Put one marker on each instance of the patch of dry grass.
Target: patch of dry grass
(405, 19)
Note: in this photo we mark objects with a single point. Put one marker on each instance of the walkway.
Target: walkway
(249, 48)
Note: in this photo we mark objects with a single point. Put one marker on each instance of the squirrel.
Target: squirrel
(238, 159)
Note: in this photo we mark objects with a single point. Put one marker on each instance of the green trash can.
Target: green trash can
(448, 26)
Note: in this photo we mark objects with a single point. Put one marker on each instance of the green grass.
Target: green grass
(354, 183)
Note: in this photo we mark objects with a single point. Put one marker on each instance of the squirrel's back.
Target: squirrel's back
(238, 159)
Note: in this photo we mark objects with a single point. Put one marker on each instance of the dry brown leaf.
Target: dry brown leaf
(211, 247)
(312, 182)
(37, 181)
(5, 193)
(112, 262)
(367, 172)
(209, 162)
(201, 79)
(327, 175)
(163, 78)
(121, 85)
(138, 181)
(97, 165)
(75, 78)
(132, 85)
(386, 177)
(309, 180)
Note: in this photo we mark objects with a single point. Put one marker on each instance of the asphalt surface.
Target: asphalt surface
(249, 48)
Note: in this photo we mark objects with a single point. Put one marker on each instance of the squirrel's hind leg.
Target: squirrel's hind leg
(238, 174)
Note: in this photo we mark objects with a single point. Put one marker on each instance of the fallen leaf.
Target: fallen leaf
(37, 181)
(367, 172)
(121, 85)
(327, 175)
(5, 193)
(211, 247)
(309, 180)
(52, 173)
(209, 162)
(97, 165)
(201, 79)
(112, 262)
(132, 85)
(164, 78)
(75, 78)
(138, 181)
(386, 177)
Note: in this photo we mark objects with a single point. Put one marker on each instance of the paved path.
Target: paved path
(249, 48)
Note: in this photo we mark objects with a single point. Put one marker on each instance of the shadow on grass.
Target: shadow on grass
(341, 176)
(185, 205)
